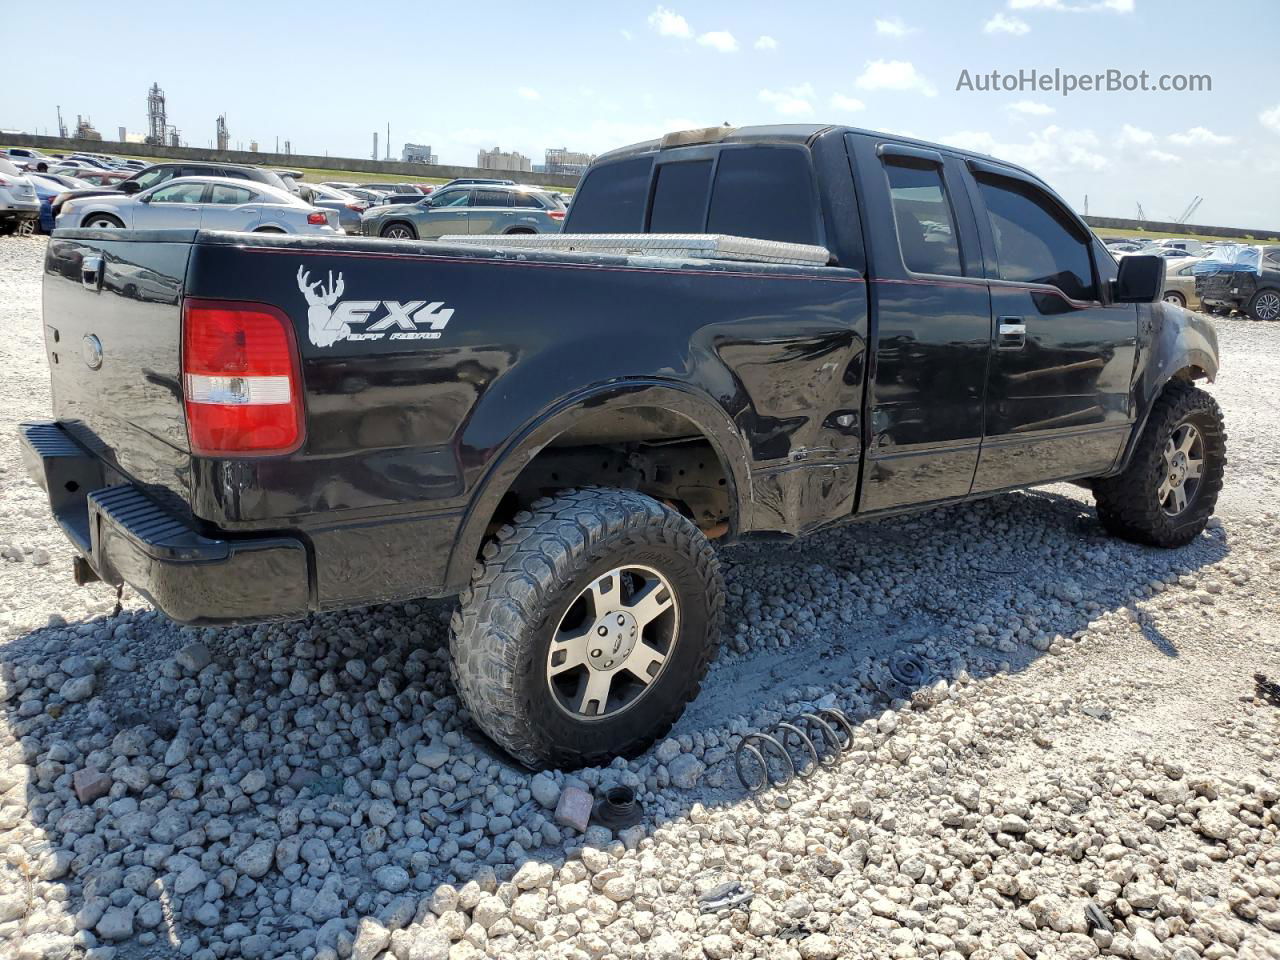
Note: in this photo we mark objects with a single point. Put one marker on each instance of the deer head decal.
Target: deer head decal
(324, 330)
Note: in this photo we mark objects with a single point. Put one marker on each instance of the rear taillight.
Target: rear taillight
(556, 214)
(317, 218)
(359, 207)
(241, 378)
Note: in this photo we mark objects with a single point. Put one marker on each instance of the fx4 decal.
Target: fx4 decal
(330, 319)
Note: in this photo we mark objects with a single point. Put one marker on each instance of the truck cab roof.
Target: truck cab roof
(803, 134)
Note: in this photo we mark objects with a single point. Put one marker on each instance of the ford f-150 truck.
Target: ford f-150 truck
(269, 426)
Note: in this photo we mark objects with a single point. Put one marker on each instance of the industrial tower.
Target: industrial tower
(157, 124)
(224, 138)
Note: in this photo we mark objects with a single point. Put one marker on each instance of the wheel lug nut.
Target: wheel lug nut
(596, 653)
(603, 631)
(621, 619)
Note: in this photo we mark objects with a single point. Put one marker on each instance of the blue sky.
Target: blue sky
(592, 76)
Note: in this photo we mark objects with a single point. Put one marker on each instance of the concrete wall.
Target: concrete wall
(383, 168)
(1163, 228)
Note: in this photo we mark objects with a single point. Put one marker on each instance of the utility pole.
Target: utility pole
(62, 127)
(388, 139)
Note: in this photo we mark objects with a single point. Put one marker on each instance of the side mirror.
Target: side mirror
(128, 186)
(1140, 280)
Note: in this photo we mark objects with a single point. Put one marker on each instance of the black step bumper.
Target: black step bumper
(126, 537)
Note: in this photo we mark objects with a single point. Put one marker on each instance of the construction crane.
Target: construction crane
(1191, 208)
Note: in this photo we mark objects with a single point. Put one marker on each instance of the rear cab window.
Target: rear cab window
(767, 193)
(612, 198)
(680, 197)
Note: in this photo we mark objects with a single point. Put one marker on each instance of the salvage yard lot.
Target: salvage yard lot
(1090, 735)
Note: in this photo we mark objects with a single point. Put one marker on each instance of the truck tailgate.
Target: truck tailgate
(113, 336)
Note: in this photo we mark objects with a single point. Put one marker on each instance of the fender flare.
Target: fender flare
(708, 417)
(1181, 341)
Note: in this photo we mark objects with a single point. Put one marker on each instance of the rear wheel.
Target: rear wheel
(1173, 296)
(1265, 305)
(399, 231)
(589, 624)
(103, 221)
(1167, 493)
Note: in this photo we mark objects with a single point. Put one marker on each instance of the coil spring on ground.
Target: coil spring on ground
(830, 725)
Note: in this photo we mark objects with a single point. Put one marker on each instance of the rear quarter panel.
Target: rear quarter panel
(410, 422)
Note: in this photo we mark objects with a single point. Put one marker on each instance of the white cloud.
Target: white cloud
(1200, 136)
(791, 101)
(1030, 108)
(668, 23)
(1002, 24)
(893, 27)
(528, 93)
(893, 75)
(766, 42)
(1160, 156)
(626, 35)
(1136, 135)
(1271, 118)
(846, 104)
(1051, 150)
(721, 40)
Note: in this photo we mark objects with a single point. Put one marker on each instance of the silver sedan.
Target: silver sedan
(205, 203)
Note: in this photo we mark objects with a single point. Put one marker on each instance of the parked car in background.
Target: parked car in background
(347, 206)
(206, 203)
(467, 209)
(1241, 277)
(1180, 282)
(1186, 245)
(470, 181)
(339, 184)
(29, 158)
(158, 173)
(396, 198)
(47, 190)
(103, 178)
(392, 188)
(371, 197)
(18, 202)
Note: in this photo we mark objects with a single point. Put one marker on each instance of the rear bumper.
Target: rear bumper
(126, 537)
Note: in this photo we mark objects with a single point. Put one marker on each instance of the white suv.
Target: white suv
(18, 201)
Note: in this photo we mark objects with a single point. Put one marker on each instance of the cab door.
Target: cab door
(1062, 358)
(931, 325)
(231, 207)
(173, 205)
(490, 211)
(444, 213)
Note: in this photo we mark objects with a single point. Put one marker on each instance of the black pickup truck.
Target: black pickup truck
(254, 427)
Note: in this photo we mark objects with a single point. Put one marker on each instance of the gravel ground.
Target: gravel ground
(1085, 741)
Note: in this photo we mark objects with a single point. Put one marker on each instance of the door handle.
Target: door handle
(1012, 334)
(91, 273)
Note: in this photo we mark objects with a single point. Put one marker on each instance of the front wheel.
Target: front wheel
(102, 221)
(399, 231)
(1265, 305)
(589, 624)
(1167, 493)
(1174, 297)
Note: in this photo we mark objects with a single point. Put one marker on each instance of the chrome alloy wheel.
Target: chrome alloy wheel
(1267, 306)
(613, 642)
(1183, 466)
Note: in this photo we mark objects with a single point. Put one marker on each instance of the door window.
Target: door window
(922, 214)
(680, 197)
(155, 175)
(525, 200)
(451, 198)
(492, 198)
(222, 193)
(179, 193)
(1035, 241)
